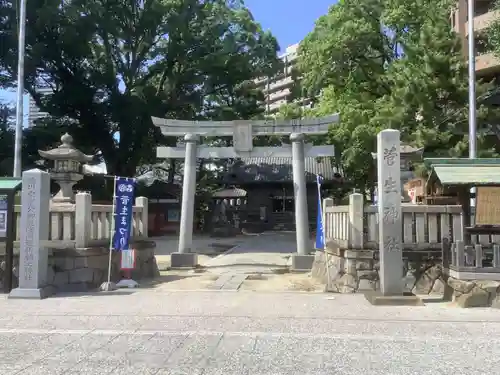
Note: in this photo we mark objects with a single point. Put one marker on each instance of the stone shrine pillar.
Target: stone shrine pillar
(389, 212)
(33, 258)
(302, 260)
(184, 257)
(390, 224)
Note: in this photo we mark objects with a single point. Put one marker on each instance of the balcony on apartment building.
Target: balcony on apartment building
(274, 107)
(279, 85)
(487, 62)
(484, 15)
(272, 83)
(278, 95)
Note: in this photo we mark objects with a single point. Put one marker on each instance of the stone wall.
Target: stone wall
(351, 271)
(474, 293)
(73, 270)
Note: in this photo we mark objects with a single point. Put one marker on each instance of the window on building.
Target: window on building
(283, 204)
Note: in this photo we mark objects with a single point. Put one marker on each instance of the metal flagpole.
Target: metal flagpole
(20, 89)
(472, 87)
(320, 207)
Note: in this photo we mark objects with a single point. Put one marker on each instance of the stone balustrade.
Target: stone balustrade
(435, 259)
(79, 237)
(424, 226)
(83, 224)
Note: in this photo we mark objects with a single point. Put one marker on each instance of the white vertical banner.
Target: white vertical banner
(127, 259)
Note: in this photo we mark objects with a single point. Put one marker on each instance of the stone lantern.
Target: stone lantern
(67, 170)
(408, 155)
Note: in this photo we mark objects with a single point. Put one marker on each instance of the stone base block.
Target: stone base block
(302, 263)
(376, 298)
(183, 260)
(127, 283)
(78, 270)
(108, 287)
(24, 293)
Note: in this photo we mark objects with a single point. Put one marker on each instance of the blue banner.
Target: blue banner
(320, 235)
(124, 200)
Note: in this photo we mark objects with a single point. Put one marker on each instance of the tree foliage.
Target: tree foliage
(389, 64)
(114, 64)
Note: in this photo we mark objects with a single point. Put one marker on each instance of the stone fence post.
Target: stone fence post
(327, 203)
(83, 220)
(356, 217)
(142, 224)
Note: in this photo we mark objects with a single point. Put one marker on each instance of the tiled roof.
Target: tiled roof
(230, 193)
(275, 169)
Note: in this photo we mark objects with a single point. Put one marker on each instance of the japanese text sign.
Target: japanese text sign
(124, 198)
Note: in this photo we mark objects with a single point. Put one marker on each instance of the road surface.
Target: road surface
(219, 332)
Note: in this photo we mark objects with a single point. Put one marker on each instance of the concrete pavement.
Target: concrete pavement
(158, 332)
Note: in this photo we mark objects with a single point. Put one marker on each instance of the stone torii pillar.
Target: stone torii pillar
(184, 254)
(243, 133)
(300, 195)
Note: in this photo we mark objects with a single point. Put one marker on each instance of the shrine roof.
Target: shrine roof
(276, 169)
(10, 183)
(462, 161)
(467, 174)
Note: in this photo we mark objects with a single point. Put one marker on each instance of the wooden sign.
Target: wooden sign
(488, 205)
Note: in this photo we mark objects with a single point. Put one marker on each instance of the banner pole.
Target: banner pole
(112, 232)
(322, 222)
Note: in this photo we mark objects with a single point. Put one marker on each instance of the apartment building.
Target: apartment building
(277, 89)
(34, 113)
(487, 64)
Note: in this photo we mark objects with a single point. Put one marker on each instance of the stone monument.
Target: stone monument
(67, 168)
(33, 257)
(389, 212)
(243, 133)
(389, 222)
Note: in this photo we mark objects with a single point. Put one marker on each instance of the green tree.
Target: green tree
(389, 64)
(493, 32)
(114, 64)
(6, 140)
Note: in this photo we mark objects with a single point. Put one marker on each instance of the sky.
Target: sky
(289, 21)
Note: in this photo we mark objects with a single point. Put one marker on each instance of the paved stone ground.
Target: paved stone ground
(205, 246)
(151, 332)
(256, 254)
(176, 280)
(166, 245)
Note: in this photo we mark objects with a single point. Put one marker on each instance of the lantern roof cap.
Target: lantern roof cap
(66, 151)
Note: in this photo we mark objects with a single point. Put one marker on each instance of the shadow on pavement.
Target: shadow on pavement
(95, 293)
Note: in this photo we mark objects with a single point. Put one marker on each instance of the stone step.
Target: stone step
(228, 281)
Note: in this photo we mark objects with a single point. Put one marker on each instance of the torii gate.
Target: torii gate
(243, 133)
